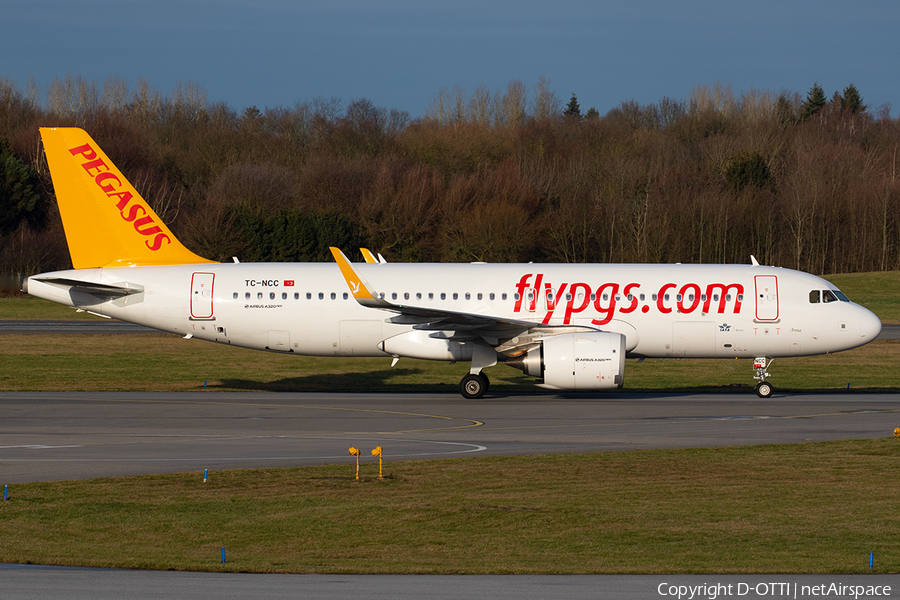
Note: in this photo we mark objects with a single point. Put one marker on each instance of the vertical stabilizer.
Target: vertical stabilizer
(107, 223)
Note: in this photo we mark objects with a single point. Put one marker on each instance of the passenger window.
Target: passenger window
(418, 295)
(492, 296)
(503, 296)
(247, 296)
(346, 295)
(259, 296)
(480, 296)
(406, 295)
(333, 296)
(443, 295)
(455, 296)
(235, 296)
(321, 296)
(431, 295)
(284, 295)
(296, 295)
(271, 295)
(394, 296)
(468, 296)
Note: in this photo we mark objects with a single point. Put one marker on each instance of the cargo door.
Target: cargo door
(766, 297)
(202, 295)
(694, 338)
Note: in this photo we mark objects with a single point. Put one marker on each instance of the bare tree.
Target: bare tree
(115, 93)
(545, 103)
(514, 103)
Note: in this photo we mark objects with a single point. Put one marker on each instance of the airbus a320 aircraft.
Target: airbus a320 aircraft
(572, 325)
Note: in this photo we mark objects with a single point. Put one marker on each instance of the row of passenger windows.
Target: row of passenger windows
(491, 296)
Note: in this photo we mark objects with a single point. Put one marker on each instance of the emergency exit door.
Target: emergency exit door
(202, 295)
(766, 297)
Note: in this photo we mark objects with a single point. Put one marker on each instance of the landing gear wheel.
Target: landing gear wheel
(473, 386)
(763, 390)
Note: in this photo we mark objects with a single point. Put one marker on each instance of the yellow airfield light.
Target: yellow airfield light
(355, 452)
(378, 452)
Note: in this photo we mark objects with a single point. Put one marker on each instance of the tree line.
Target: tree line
(499, 176)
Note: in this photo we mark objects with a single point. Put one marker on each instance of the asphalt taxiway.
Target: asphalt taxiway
(47, 436)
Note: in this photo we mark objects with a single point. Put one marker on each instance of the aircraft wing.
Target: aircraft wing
(492, 329)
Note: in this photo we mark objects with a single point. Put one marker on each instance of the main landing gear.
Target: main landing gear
(763, 389)
(474, 385)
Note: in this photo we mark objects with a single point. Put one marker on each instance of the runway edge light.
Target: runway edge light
(355, 452)
(896, 431)
(378, 452)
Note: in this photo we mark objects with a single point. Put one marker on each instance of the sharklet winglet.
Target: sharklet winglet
(360, 289)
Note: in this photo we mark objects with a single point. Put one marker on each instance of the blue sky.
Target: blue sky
(399, 53)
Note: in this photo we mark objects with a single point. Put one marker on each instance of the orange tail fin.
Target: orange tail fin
(107, 223)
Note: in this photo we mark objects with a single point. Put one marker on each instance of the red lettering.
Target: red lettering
(722, 290)
(552, 300)
(108, 188)
(609, 310)
(132, 212)
(659, 298)
(520, 288)
(146, 221)
(535, 293)
(570, 306)
(157, 241)
(86, 151)
(95, 165)
(695, 302)
(634, 301)
(124, 199)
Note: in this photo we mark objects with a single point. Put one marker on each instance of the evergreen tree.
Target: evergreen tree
(815, 101)
(18, 191)
(852, 101)
(572, 108)
(784, 112)
(592, 113)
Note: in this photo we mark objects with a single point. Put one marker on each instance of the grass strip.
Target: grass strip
(161, 362)
(794, 508)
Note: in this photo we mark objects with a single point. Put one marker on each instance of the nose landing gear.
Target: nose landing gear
(763, 389)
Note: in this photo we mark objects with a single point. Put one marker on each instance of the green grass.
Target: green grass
(805, 508)
(159, 362)
(879, 292)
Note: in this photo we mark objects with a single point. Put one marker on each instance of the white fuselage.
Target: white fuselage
(708, 311)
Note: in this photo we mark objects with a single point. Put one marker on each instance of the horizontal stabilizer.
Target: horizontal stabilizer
(101, 290)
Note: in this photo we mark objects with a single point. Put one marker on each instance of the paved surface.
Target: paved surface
(56, 435)
(51, 436)
(32, 583)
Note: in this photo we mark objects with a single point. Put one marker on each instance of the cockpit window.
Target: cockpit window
(816, 296)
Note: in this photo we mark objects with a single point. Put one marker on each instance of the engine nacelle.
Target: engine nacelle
(576, 361)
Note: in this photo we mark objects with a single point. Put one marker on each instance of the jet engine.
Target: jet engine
(576, 361)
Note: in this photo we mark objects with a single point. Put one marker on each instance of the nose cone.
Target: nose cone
(868, 324)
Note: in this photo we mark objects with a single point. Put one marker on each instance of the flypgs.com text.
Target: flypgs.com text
(609, 298)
